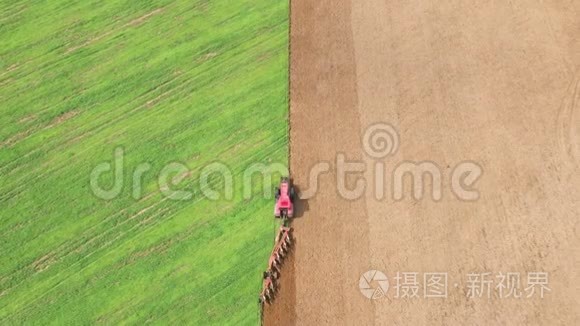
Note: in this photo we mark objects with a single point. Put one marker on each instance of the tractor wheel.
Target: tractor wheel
(292, 194)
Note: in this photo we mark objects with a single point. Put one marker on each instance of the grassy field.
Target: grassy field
(168, 81)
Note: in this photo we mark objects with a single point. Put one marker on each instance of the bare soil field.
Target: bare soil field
(496, 83)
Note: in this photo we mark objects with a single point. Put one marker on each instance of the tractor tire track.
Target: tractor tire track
(568, 122)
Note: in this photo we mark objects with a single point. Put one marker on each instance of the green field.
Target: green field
(168, 81)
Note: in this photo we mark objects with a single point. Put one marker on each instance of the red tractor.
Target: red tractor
(284, 209)
(285, 197)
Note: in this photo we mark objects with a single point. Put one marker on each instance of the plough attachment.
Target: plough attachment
(281, 248)
(268, 288)
(272, 274)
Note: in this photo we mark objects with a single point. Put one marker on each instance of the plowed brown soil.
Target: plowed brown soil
(494, 82)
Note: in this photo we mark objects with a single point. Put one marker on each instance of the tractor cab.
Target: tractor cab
(285, 196)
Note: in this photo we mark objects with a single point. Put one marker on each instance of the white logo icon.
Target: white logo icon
(380, 140)
(373, 284)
